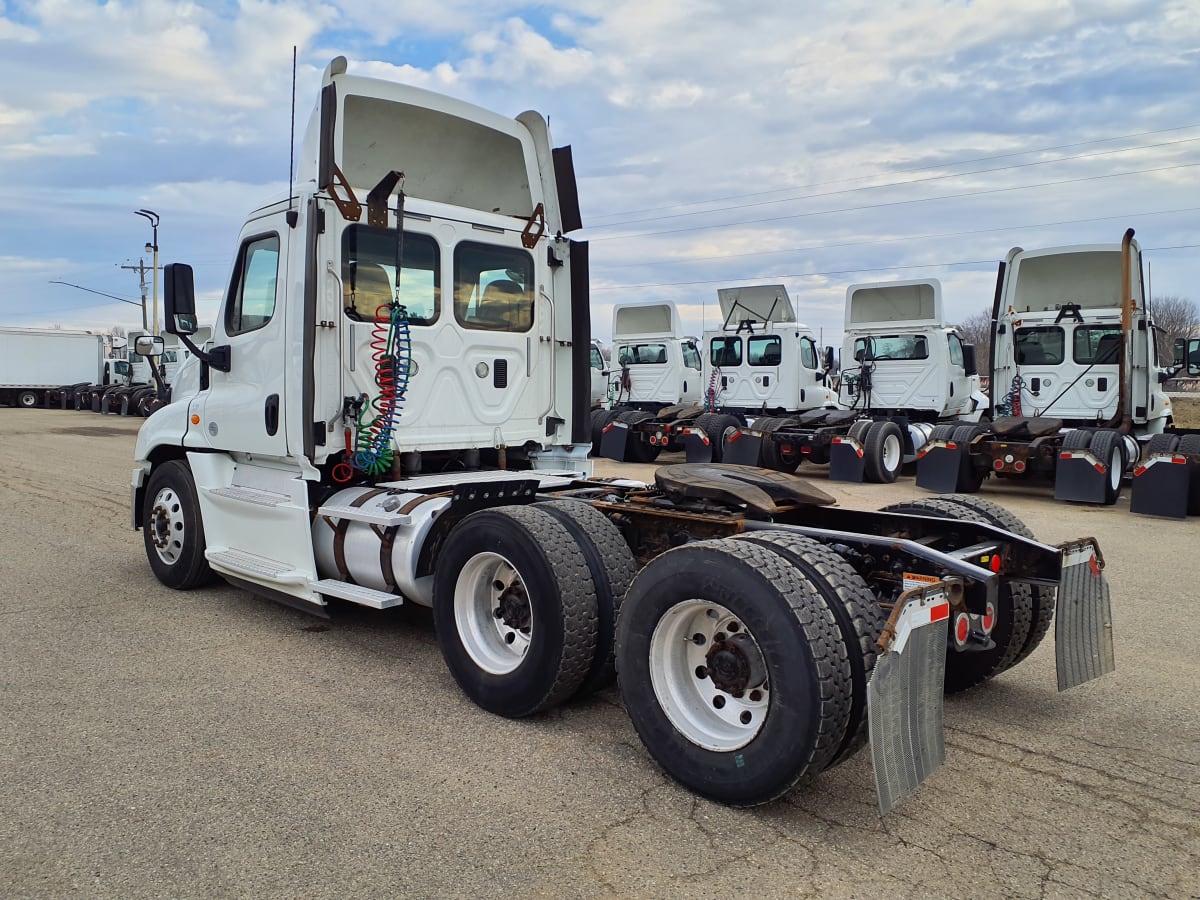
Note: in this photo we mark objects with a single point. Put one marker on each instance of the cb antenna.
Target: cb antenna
(291, 214)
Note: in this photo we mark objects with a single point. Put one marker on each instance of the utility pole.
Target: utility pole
(140, 268)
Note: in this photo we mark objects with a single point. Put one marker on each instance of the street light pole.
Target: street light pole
(152, 218)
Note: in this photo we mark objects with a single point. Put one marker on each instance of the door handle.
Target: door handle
(271, 414)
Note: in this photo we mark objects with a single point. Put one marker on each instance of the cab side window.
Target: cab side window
(808, 353)
(252, 294)
(956, 351)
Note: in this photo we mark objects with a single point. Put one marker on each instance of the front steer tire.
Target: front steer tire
(733, 670)
(515, 610)
(172, 529)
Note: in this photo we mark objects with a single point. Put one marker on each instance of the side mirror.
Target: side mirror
(969, 364)
(148, 345)
(179, 299)
(1180, 352)
(827, 359)
(1193, 356)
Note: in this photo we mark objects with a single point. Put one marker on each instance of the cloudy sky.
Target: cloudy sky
(717, 143)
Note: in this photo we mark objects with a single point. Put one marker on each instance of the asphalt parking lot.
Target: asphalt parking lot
(211, 743)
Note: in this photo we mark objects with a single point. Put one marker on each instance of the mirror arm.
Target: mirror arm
(218, 357)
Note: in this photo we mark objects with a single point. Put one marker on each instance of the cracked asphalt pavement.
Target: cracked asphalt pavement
(211, 743)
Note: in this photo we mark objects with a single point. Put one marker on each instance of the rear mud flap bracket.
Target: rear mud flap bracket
(905, 698)
(1083, 639)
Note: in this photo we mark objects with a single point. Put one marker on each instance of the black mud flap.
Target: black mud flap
(1160, 486)
(613, 441)
(1083, 639)
(905, 696)
(743, 448)
(938, 466)
(696, 446)
(846, 460)
(1079, 477)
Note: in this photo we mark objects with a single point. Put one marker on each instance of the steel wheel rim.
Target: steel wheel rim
(891, 453)
(166, 526)
(696, 705)
(492, 613)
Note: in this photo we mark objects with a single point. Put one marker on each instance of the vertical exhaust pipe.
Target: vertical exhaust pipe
(1121, 418)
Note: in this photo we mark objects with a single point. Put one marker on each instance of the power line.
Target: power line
(921, 168)
(825, 212)
(931, 178)
(895, 240)
(772, 278)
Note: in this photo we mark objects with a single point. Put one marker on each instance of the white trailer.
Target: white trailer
(396, 411)
(34, 361)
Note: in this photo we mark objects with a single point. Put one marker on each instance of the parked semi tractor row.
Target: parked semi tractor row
(64, 369)
(404, 418)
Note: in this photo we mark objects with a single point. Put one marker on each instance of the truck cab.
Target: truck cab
(1059, 341)
(761, 359)
(654, 364)
(899, 356)
(437, 324)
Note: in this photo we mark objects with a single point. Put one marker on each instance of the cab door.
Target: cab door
(242, 411)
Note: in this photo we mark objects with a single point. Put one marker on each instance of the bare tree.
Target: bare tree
(977, 329)
(1176, 317)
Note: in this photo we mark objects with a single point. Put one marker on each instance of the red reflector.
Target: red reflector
(998, 464)
(1099, 468)
(937, 613)
(1094, 566)
(950, 445)
(994, 565)
(805, 449)
(989, 619)
(921, 453)
(962, 628)
(733, 437)
(1139, 470)
(1019, 466)
(1064, 456)
(837, 440)
(608, 428)
(1179, 460)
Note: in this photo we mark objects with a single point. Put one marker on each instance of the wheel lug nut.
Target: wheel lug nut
(701, 672)
(719, 702)
(698, 638)
(745, 717)
(756, 695)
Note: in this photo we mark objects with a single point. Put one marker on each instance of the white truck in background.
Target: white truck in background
(906, 376)
(1077, 388)
(655, 374)
(35, 362)
(404, 418)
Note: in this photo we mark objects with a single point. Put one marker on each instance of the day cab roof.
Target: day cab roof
(449, 151)
(890, 304)
(640, 321)
(757, 303)
(1087, 275)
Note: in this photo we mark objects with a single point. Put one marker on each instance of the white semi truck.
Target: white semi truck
(1077, 389)
(37, 361)
(394, 409)
(655, 387)
(906, 375)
